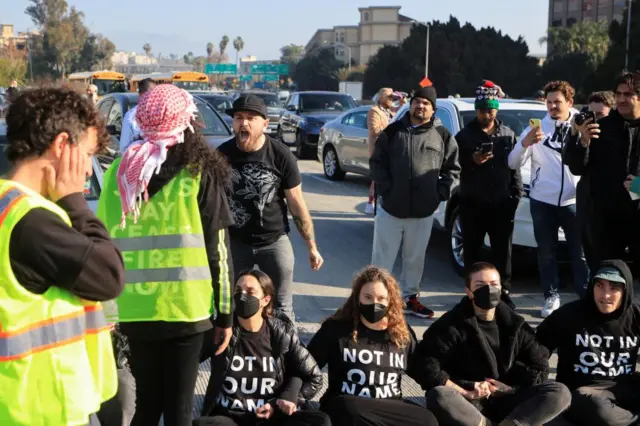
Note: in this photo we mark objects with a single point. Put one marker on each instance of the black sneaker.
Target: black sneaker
(506, 298)
(414, 307)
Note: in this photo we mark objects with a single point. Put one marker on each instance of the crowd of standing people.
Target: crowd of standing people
(106, 317)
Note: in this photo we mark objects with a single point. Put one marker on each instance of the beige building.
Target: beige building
(378, 26)
(8, 38)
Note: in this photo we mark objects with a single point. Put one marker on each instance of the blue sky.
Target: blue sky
(178, 26)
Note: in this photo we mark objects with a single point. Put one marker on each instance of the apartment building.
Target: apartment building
(378, 26)
(8, 38)
(564, 13)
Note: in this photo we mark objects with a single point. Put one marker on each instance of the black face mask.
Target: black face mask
(246, 305)
(373, 312)
(487, 297)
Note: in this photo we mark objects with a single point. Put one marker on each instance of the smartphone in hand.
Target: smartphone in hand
(486, 148)
(535, 122)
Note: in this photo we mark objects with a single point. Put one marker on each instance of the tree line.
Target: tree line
(588, 54)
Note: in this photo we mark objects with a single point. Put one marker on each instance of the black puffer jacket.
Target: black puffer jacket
(454, 348)
(294, 364)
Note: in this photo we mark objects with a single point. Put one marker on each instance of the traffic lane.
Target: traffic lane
(345, 234)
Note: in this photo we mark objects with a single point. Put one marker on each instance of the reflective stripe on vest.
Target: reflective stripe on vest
(51, 333)
(7, 199)
(160, 242)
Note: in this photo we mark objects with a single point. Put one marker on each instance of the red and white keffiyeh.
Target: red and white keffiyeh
(163, 115)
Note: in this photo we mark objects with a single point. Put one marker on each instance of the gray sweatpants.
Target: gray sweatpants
(275, 260)
(389, 232)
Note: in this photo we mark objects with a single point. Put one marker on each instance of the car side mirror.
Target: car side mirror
(292, 108)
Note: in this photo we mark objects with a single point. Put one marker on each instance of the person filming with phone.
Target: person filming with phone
(489, 190)
(553, 191)
(607, 154)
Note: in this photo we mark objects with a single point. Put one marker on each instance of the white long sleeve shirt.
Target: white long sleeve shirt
(551, 180)
(130, 130)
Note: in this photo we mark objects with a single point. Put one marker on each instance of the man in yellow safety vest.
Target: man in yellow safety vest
(57, 263)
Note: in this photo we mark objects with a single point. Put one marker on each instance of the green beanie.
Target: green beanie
(487, 96)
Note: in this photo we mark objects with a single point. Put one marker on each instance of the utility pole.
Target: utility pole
(626, 56)
(426, 62)
(30, 43)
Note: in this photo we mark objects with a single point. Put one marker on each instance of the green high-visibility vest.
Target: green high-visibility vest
(167, 270)
(56, 358)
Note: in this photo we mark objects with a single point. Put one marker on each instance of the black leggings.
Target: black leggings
(347, 410)
(166, 372)
(299, 418)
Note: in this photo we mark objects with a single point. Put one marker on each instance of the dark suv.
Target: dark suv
(304, 115)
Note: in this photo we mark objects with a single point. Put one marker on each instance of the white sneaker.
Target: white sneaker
(369, 208)
(551, 304)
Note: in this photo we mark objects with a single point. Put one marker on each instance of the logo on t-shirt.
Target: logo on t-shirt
(606, 356)
(372, 373)
(250, 382)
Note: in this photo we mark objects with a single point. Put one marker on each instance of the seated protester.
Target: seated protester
(368, 346)
(597, 340)
(481, 364)
(264, 371)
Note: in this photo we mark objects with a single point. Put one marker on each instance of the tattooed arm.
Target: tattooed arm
(302, 219)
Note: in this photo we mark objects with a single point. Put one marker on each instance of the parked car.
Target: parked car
(305, 114)
(220, 103)
(114, 106)
(343, 148)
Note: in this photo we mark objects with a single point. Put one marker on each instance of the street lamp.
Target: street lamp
(343, 46)
(626, 55)
(426, 61)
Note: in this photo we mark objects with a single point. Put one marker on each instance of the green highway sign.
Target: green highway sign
(246, 77)
(281, 69)
(271, 77)
(221, 69)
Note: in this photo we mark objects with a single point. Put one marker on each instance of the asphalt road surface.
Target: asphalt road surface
(345, 233)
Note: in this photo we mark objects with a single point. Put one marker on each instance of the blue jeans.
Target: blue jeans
(547, 220)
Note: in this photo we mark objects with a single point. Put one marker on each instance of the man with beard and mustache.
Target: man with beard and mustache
(266, 181)
(553, 192)
(489, 190)
(607, 155)
(414, 165)
(597, 340)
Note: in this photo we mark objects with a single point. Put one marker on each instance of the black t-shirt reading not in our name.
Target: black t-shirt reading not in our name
(257, 198)
(372, 367)
(251, 378)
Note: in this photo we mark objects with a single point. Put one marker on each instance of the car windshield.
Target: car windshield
(515, 119)
(192, 85)
(325, 102)
(270, 99)
(219, 103)
(209, 122)
(110, 86)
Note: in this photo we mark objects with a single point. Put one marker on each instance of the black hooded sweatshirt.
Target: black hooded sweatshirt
(594, 348)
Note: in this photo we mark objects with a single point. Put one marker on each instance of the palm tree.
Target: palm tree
(223, 44)
(210, 49)
(238, 44)
(147, 49)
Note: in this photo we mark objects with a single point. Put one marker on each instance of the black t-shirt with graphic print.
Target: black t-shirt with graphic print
(257, 199)
(372, 367)
(250, 382)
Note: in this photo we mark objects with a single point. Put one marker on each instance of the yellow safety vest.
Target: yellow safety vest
(168, 277)
(56, 357)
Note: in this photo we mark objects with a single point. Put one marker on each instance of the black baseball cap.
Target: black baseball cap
(249, 102)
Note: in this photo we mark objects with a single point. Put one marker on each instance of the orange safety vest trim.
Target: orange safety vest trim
(7, 200)
(51, 333)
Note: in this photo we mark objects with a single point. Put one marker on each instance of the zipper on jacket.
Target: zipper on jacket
(562, 134)
(410, 167)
